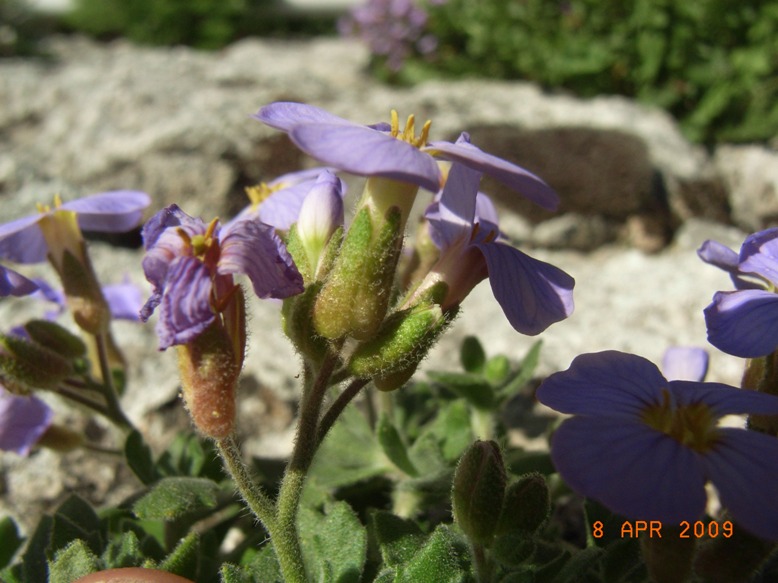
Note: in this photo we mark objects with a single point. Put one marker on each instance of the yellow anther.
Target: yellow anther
(42, 208)
(409, 135)
(57, 201)
(211, 228)
(259, 193)
(425, 132)
(185, 236)
(395, 123)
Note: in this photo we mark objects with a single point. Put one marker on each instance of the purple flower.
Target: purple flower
(191, 264)
(386, 151)
(23, 420)
(15, 284)
(278, 202)
(685, 363)
(23, 240)
(745, 322)
(463, 225)
(645, 447)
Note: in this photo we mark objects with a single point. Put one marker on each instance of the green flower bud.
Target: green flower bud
(209, 374)
(478, 492)
(298, 324)
(26, 365)
(356, 294)
(56, 338)
(526, 505)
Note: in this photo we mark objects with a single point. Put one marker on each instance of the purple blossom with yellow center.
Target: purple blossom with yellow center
(191, 266)
(744, 322)
(463, 224)
(28, 239)
(645, 447)
(386, 150)
(23, 420)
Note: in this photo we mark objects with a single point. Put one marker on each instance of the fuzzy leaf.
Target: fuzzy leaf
(139, 458)
(393, 446)
(444, 559)
(123, 551)
(73, 562)
(171, 498)
(472, 355)
(398, 538)
(185, 558)
(76, 519)
(472, 387)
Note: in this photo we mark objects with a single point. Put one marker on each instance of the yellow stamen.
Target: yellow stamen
(57, 201)
(259, 193)
(185, 236)
(395, 124)
(409, 133)
(692, 425)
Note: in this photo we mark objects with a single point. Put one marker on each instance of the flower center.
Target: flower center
(204, 247)
(261, 192)
(409, 133)
(44, 208)
(692, 425)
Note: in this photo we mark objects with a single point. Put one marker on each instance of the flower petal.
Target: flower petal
(451, 217)
(743, 323)
(13, 283)
(511, 175)
(285, 115)
(606, 384)
(723, 399)
(759, 254)
(125, 300)
(185, 310)
(742, 467)
(367, 152)
(533, 294)
(116, 211)
(635, 471)
(253, 248)
(22, 241)
(723, 257)
(685, 363)
(23, 420)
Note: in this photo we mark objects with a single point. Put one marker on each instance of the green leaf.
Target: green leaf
(184, 457)
(10, 541)
(497, 369)
(472, 355)
(76, 519)
(185, 558)
(139, 458)
(73, 562)
(472, 387)
(524, 374)
(444, 559)
(230, 573)
(334, 543)
(34, 558)
(393, 445)
(261, 567)
(172, 498)
(123, 551)
(576, 568)
(398, 538)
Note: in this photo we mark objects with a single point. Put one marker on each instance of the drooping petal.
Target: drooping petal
(607, 385)
(743, 323)
(759, 255)
(533, 294)
(171, 216)
(451, 217)
(367, 152)
(253, 248)
(685, 363)
(635, 471)
(23, 420)
(185, 310)
(511, 175)
(22, 241)
(742, 467)
(13, 283)
(285, 115)
(116, 211)
(723, 399)
(723, 257)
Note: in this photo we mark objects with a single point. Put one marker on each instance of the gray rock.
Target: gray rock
(750, 174)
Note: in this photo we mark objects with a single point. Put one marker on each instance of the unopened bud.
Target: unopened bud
(56, 338)
(321, 215)
(356, 294)
(209, 373)
(479, 488)
(526, 506)
(28, 365)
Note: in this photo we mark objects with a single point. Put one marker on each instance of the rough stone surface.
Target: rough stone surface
(176, 123)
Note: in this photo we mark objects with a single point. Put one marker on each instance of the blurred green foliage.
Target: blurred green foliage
(711, 63)
(204, 24)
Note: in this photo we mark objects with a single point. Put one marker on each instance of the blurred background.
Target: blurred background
(710, 63)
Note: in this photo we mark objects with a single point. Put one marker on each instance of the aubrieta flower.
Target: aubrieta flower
(191, 266)
(23, 420)
(645, 447)
(385, 150)
(279, 201)
(463, 224)
(744, 322)
(685, 363)
(28, 240)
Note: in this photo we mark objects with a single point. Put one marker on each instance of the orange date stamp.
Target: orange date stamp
(653, 529)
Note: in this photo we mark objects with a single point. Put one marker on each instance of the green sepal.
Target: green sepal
(297, 313)
(478, 491)
(56, 338)
(356, 294)
(526, 505)
(296, 249)
(73, 562)
(29, 365)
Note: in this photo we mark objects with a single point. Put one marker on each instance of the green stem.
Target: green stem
(482, 566)
(337, 407)
(82, 400)
(115, 412)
